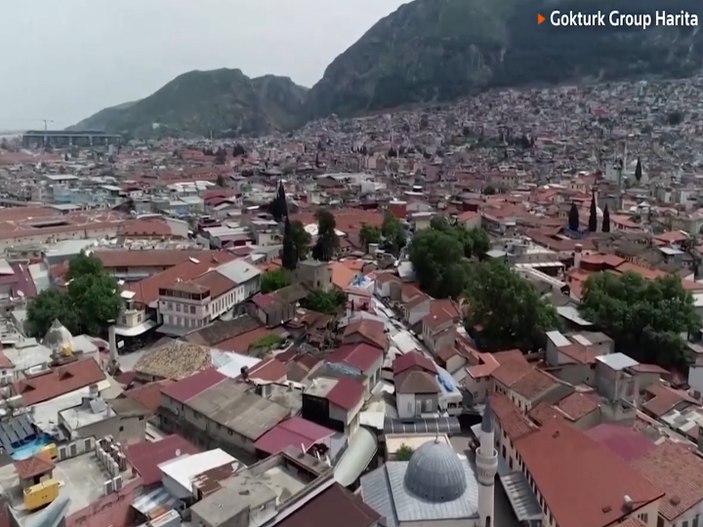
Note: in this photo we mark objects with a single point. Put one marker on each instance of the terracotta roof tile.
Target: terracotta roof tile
(360, 356)
(578, 405)
(564, 462)
(511, 421)
(346, 393)
(37, 465)
(148, 395)
(533, 384)
(413, 360)
(59, 381)
(678, 471)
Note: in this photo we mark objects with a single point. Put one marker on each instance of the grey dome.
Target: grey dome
(58, 337)
(435, 473)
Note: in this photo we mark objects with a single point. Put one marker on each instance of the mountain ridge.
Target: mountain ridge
(425, 51)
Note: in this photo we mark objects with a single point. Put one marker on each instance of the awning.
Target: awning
(440, 425)
(521, 497)
(158, 498)
(136, 330)
(360, 452)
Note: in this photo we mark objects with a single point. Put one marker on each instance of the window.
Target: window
(192, 310)
(178, 308)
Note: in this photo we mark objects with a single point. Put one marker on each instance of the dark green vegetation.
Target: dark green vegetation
(90, 301)
(274, 280)
(404, 453)
(428, 50)
(325, 302)
(503, 309)
(327, 242)
(645, 318)
(223, 102)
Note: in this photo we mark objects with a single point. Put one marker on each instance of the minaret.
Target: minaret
(486, 468)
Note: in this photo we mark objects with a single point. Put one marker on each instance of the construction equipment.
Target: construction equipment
(41, 494)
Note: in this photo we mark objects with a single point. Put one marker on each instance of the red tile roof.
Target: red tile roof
(346, 393)
(334, 506)
(147, 290)
(189, 387)
(565, 463)
(360, 356)
(578, 405)
(295, 432)
(371, 330)
(623, 441)
(510, 420)
(59, 381)
(413, 359)
(679, 471)
(148, 395)
(146, 456)
(37, 465)
(217, 283)
(271, 370)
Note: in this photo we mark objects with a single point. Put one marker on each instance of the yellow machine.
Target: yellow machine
(41, 494)
(66, 351)
(50, 449)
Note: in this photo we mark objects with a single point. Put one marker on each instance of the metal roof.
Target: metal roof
(13, 431)
(521, 497)
(439, 425)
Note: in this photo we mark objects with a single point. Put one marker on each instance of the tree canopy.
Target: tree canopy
(369, 234)
(274, 280)
(638, 170)
(593, 215)
(404, 453)
(574, 218)
(506, 308)
(90, 301)
(327, 302)
(645, 318)
(327, 241)
(296, 244)
(392, 230)
(438, 261)
(279, 205)
(606, 219)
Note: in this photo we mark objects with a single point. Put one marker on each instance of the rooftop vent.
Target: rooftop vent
(675, 500)
(607, 509)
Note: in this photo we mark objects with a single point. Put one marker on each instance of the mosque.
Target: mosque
(437, 486)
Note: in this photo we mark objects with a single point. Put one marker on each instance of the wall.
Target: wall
(478, 388)
(412, 405)
(690, 515)
(113, 510)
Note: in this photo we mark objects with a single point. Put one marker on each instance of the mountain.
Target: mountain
(434, 50)
(223, 102)
(426, 51)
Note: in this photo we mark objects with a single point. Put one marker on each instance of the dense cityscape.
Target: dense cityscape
(483, 313)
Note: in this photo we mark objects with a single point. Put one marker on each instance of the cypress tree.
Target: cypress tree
(593, 215)
(638, 170)
(289, 255)
(574, 218)
(606, 219)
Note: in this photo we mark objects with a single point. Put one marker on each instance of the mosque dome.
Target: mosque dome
(58, 338)
(435, 473)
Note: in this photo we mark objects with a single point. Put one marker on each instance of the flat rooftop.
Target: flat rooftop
(414, 441)
(81, 480)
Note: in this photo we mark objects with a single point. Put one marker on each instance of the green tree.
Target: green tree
(393, 232)
(404, 453)
(45, 308)
(489, 190)
(238, 150)
(606, 219)
(327, 241)
(221, 181)
(593, 214)
(327, 302)
(438, 261)
(369, 234)
(220, 156)
(264, 345)
(645, 318)
(279, 206)
(574, 218)
(91, 300)
(289, 253)
(301, 239)
(474, 241)
(274, 280)
(84, 264)
(638, 170)
(507, 308)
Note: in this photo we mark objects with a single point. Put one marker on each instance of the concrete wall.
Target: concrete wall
(411, 405)
(113, 510)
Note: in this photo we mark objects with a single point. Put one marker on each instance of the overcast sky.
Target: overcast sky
(66, 59)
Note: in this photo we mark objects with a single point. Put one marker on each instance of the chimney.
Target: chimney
(112, 340)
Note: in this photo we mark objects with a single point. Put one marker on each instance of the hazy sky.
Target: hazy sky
(66, 59)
